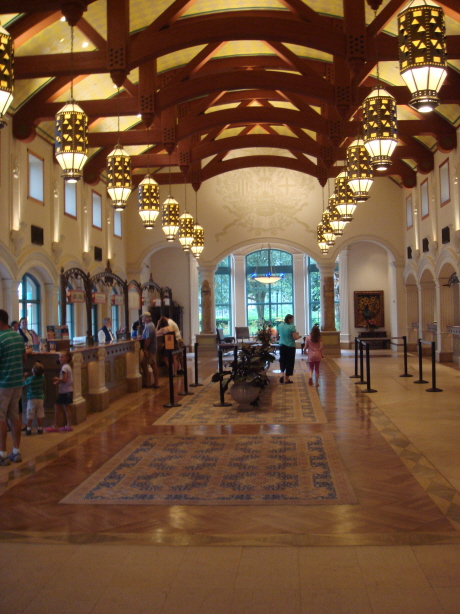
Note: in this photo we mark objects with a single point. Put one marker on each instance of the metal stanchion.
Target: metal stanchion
(184, 359)
(356, 359)
(171, 382)
(361, 364)
(222, 402)
(433, 370)
(368, 371)
(405, 374)
(420, 376)
(196, 383)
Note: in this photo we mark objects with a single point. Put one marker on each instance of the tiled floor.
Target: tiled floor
(396, 551)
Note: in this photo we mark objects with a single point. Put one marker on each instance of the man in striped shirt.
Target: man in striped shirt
(12, 356)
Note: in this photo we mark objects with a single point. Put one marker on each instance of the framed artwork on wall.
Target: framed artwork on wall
(369, 308)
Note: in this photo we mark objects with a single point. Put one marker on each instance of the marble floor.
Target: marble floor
(396, 551)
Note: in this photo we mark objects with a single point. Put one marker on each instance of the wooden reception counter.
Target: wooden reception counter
(101, 374)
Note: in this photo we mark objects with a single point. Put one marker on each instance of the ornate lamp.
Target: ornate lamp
(322, 243)
(360, 175)
(422, 52)
(6, 72)
(269, 277)
(198, 241)
(149, 201)
(170, 215)
(380, 127)
(71, 141)
(328, 233)
(119, 177)
(335, 219)
(186, 226)
(345, 202)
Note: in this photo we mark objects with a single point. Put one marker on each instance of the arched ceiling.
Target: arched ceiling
(223, 84)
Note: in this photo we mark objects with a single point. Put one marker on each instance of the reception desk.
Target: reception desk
(101, 374)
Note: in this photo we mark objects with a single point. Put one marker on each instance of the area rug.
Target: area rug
(278, 404)
(221, 470)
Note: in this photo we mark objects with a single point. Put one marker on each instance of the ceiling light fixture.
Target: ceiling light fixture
(345, 202)
(422, 52)
(186, 224)
(71, 140)
(170, 212)
(359, 169)
(6, 72)
(148, 193)
(119, 172)
(269, 277)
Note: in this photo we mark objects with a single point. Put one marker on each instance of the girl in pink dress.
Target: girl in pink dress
(314, 348)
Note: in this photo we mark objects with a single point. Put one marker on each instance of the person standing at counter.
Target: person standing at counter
(30, 337)
(105, 335)
(12, 357)
(149, 358)
(65, 394)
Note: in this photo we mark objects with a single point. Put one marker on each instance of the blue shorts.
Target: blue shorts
(64, 398)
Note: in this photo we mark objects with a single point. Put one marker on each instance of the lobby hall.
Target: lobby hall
(245, 112)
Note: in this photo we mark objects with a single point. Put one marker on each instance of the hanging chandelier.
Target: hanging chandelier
(359, 169)
(6, 72)
(186, 225)
(269, 277)
(148, 195)
(345, 202)
(335, 219)
(328, 233)
(149, 201)
(198, 232)
(119, 172)
(71, 126)
(170, 214)
(380, 127)
(422, 52)
(322, 243)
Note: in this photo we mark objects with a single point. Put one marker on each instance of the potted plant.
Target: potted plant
(248, 373)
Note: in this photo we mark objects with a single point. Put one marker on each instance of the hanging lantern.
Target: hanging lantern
(149, 201)
(335, 219)
(345, 202)
(329, 235)
(422, 52)
(380, 127)
(186, 231)
(322, 243)
(71, 141)
(359, 169)
(6, 70)
(119, 177)
(198, 241)
(170, 218)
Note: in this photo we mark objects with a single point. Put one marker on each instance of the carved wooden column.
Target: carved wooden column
(133, 376)
(329, 334)
(98, 394)
(207, 338)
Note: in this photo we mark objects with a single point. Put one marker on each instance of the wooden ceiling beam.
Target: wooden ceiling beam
(196, 63)
(303, 11)
(385, 16)
(354, 18)
(58, 64)
(127, 137)
(34, 6)
(23, 29)
(92, 35)
(168, 17)
(118, 40)
(265, 161)
(235, 25)
(170, 96)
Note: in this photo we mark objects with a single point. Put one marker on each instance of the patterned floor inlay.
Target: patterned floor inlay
(221, 470)
(278, 404)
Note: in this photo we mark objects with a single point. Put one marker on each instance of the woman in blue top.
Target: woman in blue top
(288, 337)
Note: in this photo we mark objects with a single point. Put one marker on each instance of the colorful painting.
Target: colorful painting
(369, 307)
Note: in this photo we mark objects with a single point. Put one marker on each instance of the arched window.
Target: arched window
(268, 302)
(29, 302)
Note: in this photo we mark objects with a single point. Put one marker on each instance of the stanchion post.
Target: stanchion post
(222, 402)
(433, 370)
(420, 375)
(356, 374)
(184, 359)
(368, 371)
(171, 382)
(405, 374)
(195, 384)
(361, 364)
